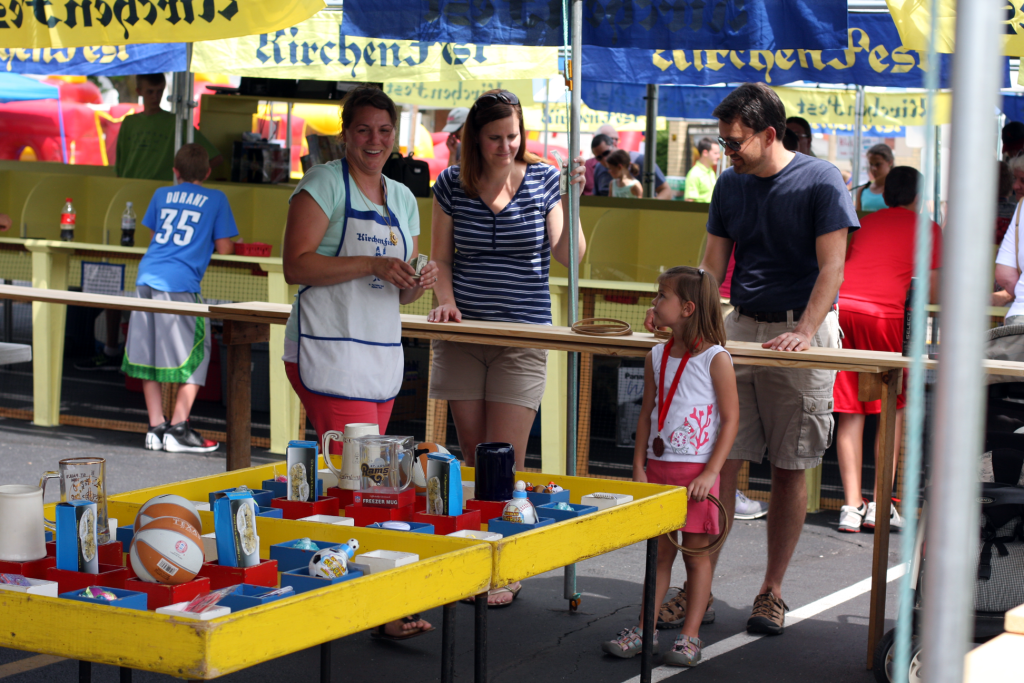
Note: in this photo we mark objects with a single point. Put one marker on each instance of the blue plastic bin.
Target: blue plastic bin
(280, 488)
(549, 510)
(125, 599)
(289, 558)
(277, 513)
(301, 581)
(500, 526)
(246, 596)
(414, 527)
(539, 499)
(125, 534)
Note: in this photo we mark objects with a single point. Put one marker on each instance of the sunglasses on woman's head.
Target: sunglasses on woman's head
(501, 96)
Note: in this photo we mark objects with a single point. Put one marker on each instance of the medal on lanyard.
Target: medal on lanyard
(663, 404)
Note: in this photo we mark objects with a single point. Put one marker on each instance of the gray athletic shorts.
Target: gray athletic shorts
(167, 348)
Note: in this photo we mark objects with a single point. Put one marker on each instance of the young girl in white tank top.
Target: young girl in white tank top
(686, 429)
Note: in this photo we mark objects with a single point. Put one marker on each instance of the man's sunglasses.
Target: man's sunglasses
(602, 155)
(504, 96)
(734, 145)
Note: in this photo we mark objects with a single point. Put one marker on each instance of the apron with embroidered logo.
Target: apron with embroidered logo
(350, 333)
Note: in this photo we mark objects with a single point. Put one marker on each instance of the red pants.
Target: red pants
(868, 333)
(327, 413)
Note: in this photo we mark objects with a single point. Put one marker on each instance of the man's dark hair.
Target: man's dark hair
(156, 80)
(757, 107)
(789, 140)
(1005, 180)
(705, 145)
(601, 139)
(1013, 132)
(802, 122)
(901, 186)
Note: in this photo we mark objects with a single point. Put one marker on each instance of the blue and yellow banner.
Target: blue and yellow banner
(665, 24)
(874, 55)
(108, 60)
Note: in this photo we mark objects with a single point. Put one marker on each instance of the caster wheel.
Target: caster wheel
(574, 602)
(885, 659)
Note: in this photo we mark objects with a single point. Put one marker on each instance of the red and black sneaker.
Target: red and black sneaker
(181, 438)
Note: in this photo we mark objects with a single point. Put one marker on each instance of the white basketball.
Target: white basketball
(167, 550)
(168, 505)
(419, 478)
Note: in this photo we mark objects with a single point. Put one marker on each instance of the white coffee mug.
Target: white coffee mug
(22, 537)
(348, 473)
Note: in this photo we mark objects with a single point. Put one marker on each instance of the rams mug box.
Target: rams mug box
(302, 470)
(77, 542)
(234, 523)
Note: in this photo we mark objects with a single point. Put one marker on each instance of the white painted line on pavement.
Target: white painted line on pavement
(792, 618)
(28, 664)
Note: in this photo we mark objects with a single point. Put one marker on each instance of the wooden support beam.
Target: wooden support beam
(883, 478)
(239, 388)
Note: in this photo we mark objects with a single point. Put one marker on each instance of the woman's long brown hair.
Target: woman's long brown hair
(471, 164)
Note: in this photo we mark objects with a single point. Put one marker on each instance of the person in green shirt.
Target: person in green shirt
(700, 181)
(145, 143)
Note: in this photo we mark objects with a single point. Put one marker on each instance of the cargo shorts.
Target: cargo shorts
(786, 412)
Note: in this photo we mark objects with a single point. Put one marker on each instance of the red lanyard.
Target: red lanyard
(663, 405)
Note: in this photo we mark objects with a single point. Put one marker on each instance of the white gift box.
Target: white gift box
(330, 519)
(177, 610)
(210, 547)
(37, 587)
(329, 478)
(380, 560)
(603, 501)
(478, 535)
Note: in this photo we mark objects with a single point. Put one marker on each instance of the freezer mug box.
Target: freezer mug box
(77, 542)
(444, 483)
(234, 523)
(302, 470)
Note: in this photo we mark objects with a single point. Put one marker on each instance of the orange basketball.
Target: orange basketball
(167, 550)
(167, 505)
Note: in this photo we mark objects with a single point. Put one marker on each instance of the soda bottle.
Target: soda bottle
(128, 226)
(67, 221)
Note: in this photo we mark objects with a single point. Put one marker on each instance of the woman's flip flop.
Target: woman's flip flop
(381, 634)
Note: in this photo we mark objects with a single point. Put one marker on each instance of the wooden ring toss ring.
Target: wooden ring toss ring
(724, 525)
(602, 327)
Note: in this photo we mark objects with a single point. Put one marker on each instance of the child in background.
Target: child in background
(189, 222)
(623, 172)
(686, 429)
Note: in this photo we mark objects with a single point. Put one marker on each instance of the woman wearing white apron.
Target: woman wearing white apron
(350, 232)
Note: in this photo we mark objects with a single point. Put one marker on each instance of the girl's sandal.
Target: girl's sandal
(673, 612)
(686, 651)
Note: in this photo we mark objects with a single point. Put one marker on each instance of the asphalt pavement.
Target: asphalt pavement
(536, 639)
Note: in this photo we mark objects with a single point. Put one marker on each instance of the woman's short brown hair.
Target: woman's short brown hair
(192, 163)
(486, 109)
(366, 96)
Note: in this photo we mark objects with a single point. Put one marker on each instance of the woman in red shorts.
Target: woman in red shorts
(879, 265)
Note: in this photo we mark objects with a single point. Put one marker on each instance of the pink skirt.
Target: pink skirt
(702, 517)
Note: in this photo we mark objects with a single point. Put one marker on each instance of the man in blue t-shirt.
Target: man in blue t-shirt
(788, 216)
(189, 222)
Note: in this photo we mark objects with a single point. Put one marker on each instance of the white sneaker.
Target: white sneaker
(749, 509)
(851, 518)
(895, 521)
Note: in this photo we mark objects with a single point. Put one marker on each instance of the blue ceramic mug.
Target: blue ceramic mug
(495, 471)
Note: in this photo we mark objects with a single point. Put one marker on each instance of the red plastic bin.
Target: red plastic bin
(162, 595)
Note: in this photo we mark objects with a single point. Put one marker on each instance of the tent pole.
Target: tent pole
(189, 97)
(651, 142)
(858, 126)
(949, 591)
(547, 94)
(576, 26)
(179, 114)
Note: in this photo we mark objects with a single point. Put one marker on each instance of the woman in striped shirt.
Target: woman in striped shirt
(497, 220)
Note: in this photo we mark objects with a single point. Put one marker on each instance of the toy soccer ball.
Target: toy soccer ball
(331, 563)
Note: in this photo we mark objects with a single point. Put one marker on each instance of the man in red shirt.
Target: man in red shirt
(879, 265)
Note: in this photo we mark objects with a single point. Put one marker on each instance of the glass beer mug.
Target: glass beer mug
(385, 461)
(81, 479)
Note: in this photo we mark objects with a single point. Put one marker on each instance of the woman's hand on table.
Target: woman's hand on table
(393, 270)
(445, 313)
(428, 276)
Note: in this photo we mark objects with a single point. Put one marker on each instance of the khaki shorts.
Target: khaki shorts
(788, 412)
(477, 372)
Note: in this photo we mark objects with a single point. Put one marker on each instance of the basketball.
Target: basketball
(168, 505)
(167, 550)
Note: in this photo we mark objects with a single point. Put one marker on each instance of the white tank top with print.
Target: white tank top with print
(691, 426)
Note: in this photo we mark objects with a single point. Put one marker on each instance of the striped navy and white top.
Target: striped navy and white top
(500, 271)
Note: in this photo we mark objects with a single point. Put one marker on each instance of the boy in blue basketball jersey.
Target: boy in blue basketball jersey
(189, 222)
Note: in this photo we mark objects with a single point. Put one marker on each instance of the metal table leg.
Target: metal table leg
(448, 643)
(125, 674)
(480, 638)
(84, 672)
(650, 581)
(325, 662)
